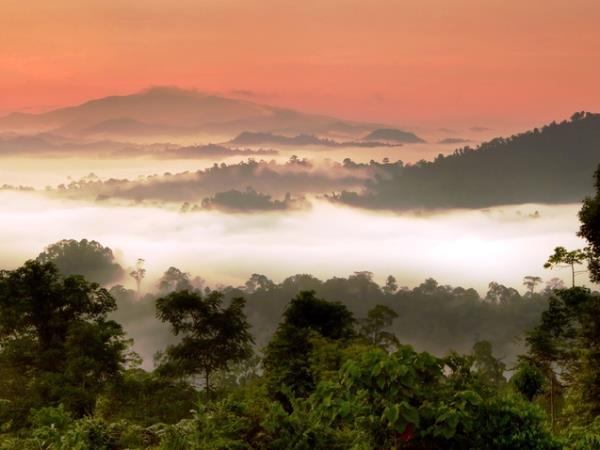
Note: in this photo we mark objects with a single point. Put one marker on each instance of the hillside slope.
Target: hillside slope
(553, 164)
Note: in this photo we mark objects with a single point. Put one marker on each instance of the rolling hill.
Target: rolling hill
(174, 111)
(552, 164)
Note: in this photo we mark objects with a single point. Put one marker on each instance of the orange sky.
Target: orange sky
(430, 62)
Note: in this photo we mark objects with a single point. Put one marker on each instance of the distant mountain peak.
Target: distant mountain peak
(157, 109)
(393, 135)
(172, 91)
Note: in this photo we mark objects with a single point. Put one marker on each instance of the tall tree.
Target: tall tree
(391, 285)
(287, 354)
(213, 335)
(501, 295)
(174, 280)
(55, 337)
(258, 281)
(530, 282)
(566, 347)
(138, 273)
(589, 216)
(373, 328)
(489, 367)
(571, 259)
(88, 258)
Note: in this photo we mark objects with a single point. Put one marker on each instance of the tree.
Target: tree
(391, 285)
(489, 367)
(363, 285)
(589, 216)
(373, 327)
(146, 398)
(553, 284)
(528, 379)
(501, 295)
(565, 346)
(410, 400)
(138, 273)
(213, 335)
(56, 344)
(564, 258)
(174, 280)
(288, 353)
(546, 348)
(258, 281)
(531, 282)
(88, 258)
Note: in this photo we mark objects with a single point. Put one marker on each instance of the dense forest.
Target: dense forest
(300, 140)
(339, 370)
(548, 165)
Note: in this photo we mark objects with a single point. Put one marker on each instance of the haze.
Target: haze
(469, 248)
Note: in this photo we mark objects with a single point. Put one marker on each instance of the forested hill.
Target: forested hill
(553, 164)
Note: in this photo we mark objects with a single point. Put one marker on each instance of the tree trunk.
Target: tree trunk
(206, 384)
(573, 274)
(552, 401)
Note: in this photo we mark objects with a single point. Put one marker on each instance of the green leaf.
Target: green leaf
(345, 409)
(391, 413)
(409, 413)
(471, 397)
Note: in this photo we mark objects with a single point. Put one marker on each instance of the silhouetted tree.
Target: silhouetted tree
(138, 273)
(373, 327)
(499, 294)
(564, 258)
(258, 281)
(391, 286)
(88, 258)
(530, 282)
(553, 284)
(174, 280)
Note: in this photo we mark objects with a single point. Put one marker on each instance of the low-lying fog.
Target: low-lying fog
(43, 170)
(458, 247)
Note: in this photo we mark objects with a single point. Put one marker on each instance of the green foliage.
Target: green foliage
(374, 327)
(64, 382)
(528, 380)
(486, 365)
(377, 398)
(407, 400)
(565, 258)
(582, 437)
(56, 345)
(330, 319)
(511, 423)
(212, 335)
(547, 165)
(146, 398)
(589, 216)
(287, 356)
(565, 346)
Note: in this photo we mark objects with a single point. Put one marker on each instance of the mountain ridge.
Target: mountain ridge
(180, 111)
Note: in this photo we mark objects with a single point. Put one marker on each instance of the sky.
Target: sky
(403, 62)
